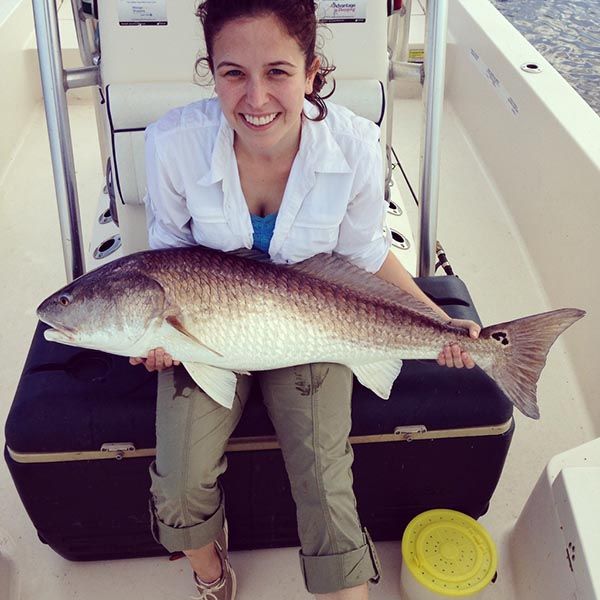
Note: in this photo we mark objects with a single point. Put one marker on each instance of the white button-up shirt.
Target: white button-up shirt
(333, 200)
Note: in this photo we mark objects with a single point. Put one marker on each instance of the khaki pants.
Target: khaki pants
(309, 406)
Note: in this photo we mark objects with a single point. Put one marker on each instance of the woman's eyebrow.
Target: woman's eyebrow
(281, 62)
(228, 64)
(276, 63)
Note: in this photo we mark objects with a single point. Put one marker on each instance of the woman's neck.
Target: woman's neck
(286, 151)
(264, 175)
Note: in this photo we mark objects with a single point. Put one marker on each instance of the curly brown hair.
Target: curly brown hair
(297, 17)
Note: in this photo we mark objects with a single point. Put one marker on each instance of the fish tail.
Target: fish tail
(524, 345)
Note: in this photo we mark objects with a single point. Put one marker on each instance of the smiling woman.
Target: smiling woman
(268, 146)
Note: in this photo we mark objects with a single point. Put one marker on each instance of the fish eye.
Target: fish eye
(65, 299)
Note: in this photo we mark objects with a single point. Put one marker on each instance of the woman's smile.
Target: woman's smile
(259, 121)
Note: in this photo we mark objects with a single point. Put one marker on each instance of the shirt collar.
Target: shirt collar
(318, 148)
(222, 156)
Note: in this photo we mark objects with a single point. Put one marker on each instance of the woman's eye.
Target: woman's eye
(233, 73)
(277, 72)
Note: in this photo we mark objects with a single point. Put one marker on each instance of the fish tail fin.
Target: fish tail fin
(525, 343)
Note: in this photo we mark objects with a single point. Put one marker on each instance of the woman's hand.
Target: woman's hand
(157, 360)
(452, 355)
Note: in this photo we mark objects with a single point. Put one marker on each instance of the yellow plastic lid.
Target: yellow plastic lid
(449, 553)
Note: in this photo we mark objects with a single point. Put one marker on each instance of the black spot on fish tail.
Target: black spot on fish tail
(502, 337)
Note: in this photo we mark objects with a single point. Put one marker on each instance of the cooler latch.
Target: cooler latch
(118, 448)
(407, 432)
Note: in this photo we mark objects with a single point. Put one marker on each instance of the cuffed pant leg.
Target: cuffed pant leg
(310, 409)
(192, 431)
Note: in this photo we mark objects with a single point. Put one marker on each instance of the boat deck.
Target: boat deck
(481, 242)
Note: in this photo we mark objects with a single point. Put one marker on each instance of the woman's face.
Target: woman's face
(260, 78)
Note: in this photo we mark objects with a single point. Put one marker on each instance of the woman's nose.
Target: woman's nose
(256, 93)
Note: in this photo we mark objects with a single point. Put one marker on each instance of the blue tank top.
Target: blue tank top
(263, 231)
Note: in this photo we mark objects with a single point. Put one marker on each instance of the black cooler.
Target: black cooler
(80, 437)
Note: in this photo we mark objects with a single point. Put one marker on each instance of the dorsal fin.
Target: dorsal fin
(335, 269)
(340, 271)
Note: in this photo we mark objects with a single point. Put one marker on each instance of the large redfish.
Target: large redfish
(221, 313)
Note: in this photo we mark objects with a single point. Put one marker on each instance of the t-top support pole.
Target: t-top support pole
(433, 99)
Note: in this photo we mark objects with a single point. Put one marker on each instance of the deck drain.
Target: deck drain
(105, 217)
(393, 208)
(531, 68)
(108, 246)
(399, 240)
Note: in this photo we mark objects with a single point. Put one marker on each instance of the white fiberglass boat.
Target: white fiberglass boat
(519, 219)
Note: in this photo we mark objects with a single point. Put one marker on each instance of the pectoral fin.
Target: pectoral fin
(179, 326)
(219, 384)
(378, 376)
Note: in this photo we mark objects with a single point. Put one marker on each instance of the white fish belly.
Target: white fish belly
(256, 343)
(275, 338)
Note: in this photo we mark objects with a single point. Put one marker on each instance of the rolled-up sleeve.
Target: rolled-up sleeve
(167, 216)
(364, 239)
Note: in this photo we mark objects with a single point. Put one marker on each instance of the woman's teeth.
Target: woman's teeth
(258, 121)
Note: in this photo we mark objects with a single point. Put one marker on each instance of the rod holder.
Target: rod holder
(399, 30)
(407, 70)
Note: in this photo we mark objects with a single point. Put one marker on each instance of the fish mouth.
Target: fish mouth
(64, 335)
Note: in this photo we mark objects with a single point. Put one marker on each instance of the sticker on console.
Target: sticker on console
(342, 11)
(495, 82)
(142, 12)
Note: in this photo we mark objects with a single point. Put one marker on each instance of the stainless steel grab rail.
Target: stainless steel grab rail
(55, 83)
(432, 75)
(433, 98)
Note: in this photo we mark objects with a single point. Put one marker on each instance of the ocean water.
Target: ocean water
(567, 34)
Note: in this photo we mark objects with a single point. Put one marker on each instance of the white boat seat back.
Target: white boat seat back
(139, 54)
(148, 70)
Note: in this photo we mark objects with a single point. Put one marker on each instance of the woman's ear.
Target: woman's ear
(311, 74)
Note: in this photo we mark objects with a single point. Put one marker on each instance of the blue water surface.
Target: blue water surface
(567, 34)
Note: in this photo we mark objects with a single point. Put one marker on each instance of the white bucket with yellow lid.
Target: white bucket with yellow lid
(445, 554)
